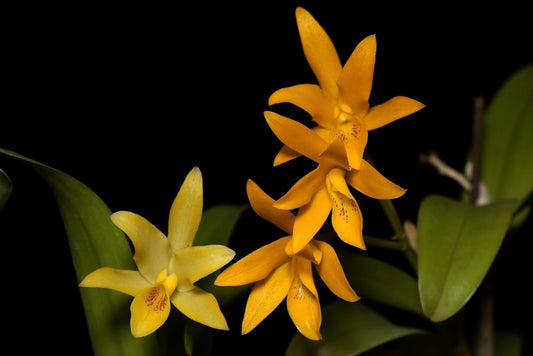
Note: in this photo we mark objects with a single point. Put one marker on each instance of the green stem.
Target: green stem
(383, 243)
(397, 227)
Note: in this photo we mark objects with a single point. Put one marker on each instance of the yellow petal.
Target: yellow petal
(295, 135)
(319, 51)
(265, 296)
(255, 266)
(152, 249)
(310, 98)
(310, 219)
(346, 218)
(391, 110)
(186, 211)
(370, 182)
(193, 263)
(336, 177)
(201, 307)
(149, 310)
(331, 272)
(287, 154)
(304, 310)
(127, 282)
(354, 135)
(355, 79)
(262, 205)
(303, 191)
(335, 153)
(284, 155)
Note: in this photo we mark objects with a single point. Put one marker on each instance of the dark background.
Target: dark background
(128, 98)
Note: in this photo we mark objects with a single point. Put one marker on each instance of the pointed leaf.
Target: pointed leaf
(217, 224)
(507, 168)
(216, 227)
(95, 242)
(349, 329)
(381, 282)
(457, 243)
(5, 188)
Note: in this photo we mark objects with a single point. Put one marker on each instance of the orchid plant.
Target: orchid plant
(439, 263)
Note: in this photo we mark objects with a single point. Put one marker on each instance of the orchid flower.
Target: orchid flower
(167, 267)
(339, 104)
(325, 189)
(281, 273)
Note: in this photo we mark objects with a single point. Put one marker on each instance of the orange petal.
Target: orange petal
(391, 110)
(303, 191)
(295, 135)
(331, 272)
(346, 218)
(354, 135)
(266, 296)
(370, 182)
(255, 266)
(310, 98)
(319, 51)
(310, 219)
(355, 79)
(262, 205)
(304, 309)
(285, 155)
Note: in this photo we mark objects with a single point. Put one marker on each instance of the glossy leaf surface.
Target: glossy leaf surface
(457, 243)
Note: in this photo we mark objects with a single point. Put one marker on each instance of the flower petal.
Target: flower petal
(149, 310)
(310, 98)
(295, 135)
(193, 263)
(346, 217)
(319, 51)
(303, 190)
(331, 272)
(201, 307)
(186, 211)
(265, 296)
(304, 309)
(284, 155)
(124, 281)
(262, 205)
(310, 219)
(152, 249)
(370, 182)
(355, 79)
(354, 135)
(391, 110)
(255, 266)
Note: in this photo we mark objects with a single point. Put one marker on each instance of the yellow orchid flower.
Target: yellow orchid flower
(281, 273)
(325, 189)
(339, 104)
(167, 267)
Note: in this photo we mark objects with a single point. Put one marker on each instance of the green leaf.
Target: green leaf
(506, 164)
(457, 243)
(218, 223)
(95, 242)
(5, 188)
(381, 282)
(349, 329)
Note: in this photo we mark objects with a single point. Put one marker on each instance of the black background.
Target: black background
(128, 98)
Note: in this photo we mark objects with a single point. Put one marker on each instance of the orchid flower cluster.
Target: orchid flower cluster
(339, 105)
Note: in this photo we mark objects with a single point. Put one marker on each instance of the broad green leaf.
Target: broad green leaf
(95, 242)
(349, 329)
(381, 282)
(5, 188)
(457, 243)
(507, 165)
(217, 224)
